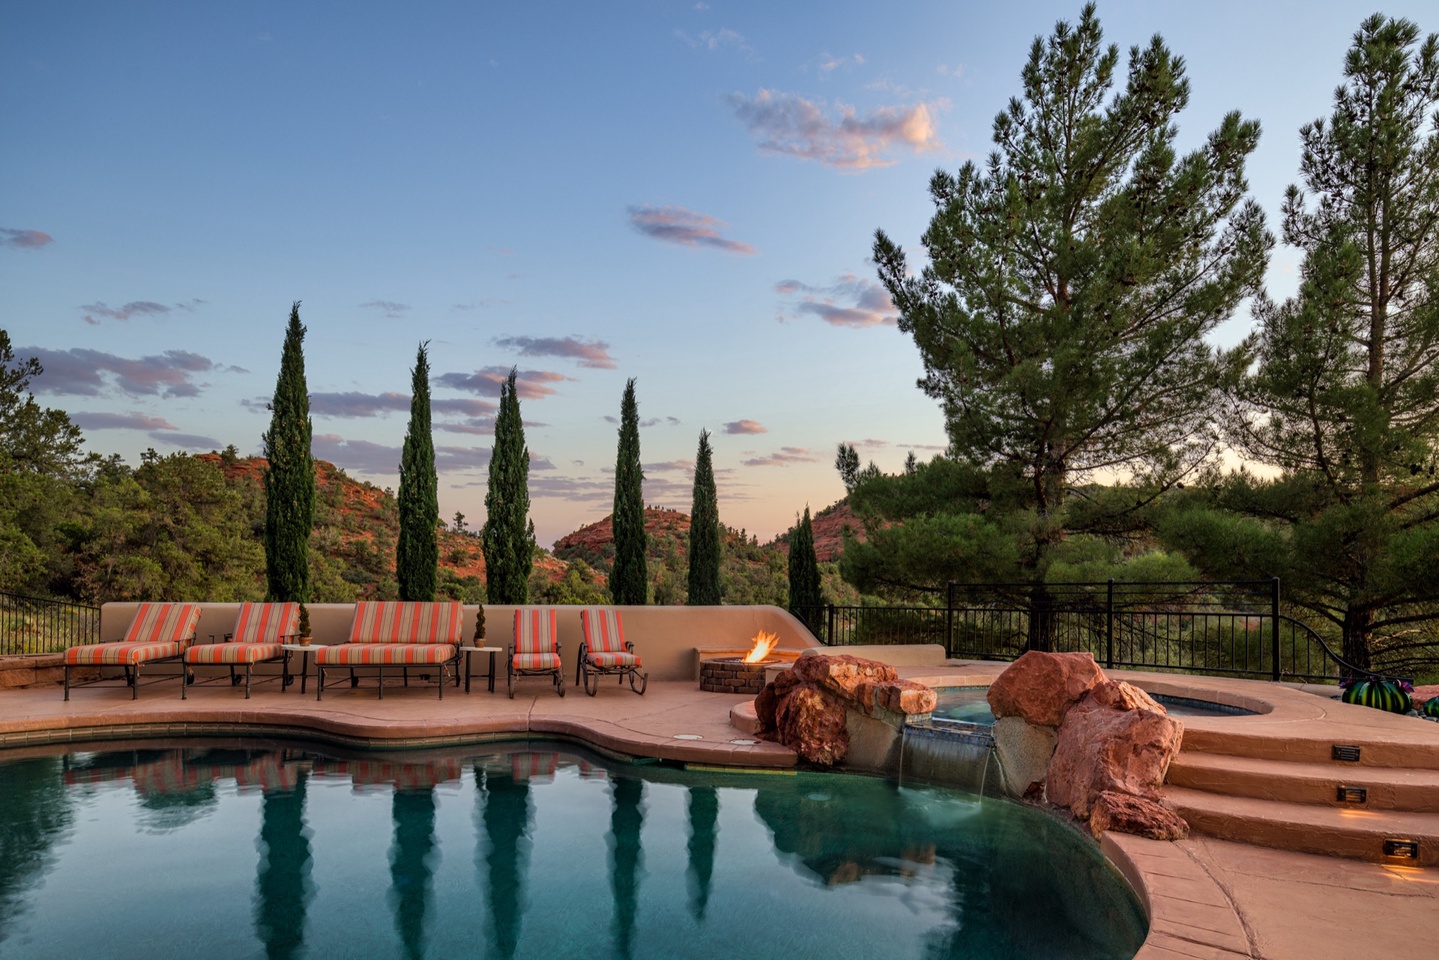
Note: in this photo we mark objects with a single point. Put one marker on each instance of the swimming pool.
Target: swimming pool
(970, 705)
(244, 848)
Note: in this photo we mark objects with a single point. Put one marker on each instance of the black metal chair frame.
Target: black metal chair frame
(235, 678)
(132, 671)
(452, 663)
(587, 674)
(556, 673)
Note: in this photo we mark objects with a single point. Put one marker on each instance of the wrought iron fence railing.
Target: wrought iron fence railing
(36, 625)
(1225, 629)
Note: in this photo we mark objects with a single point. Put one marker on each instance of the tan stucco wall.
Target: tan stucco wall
(665, 637)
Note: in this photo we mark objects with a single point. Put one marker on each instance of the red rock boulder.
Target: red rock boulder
(1117, 739)
(1141, 816)
(1040, 687)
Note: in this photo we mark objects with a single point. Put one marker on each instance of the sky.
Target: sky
(684, 193)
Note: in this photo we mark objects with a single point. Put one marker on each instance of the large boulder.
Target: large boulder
(813, 725)
(1039, 687)
(1117, 739)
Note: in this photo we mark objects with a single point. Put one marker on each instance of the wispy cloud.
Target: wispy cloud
(587, 353)
(356, 404)
(25, 239)
(829, 63)
(135, 308)
(745, 426)
(850, 301)
(789, 124)
(721, 39)
(529, 384)
(484, 304)
(187, 441)
(387, 308)
(783, 458)
(87, 373)
(120, 421)
(648, 421)
(684, 227)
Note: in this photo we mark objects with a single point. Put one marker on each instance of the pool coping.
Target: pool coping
(1191, 912)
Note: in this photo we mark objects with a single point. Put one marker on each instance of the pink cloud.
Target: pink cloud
(25, 239)
(529, 384)
(789, 124)
(83, 372)
(783, 458)
(850, 301)
(684, 227)
(588, 353)
(120, 421)
(745, 426)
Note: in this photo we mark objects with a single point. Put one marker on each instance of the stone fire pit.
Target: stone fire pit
(730, 674)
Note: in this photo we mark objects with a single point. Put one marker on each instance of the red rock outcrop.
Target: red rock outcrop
(1141, 816)
(1117, 739)
(806, 707)
(1040, 687)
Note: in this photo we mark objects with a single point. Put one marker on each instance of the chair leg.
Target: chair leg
(184, 687)
(248, 669)
(319, 680)
(67, 683)
(134, 682)
(382, 683)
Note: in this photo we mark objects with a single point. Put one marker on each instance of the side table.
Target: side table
(304, 649)
(468, 652)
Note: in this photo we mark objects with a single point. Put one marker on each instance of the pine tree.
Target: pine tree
(1071, 281)
(805, 594)
(417, 551)
(704, 556)
(507, 536)
(629, 580)
(289, 475)
(1345, 397)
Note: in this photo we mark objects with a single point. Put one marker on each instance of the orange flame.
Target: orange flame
(763, 643)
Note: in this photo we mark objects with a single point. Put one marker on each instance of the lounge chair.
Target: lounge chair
(536, 648)
(260, 629)
(604, 652)
(159, 632)
(397, 633)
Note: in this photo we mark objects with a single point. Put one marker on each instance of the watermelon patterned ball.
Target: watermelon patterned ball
(1431, 708)
(1379, 694)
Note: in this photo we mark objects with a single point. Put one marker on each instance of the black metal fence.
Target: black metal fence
(1223, 629)
(35, 625)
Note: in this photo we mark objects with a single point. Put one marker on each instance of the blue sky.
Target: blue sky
(684, 193)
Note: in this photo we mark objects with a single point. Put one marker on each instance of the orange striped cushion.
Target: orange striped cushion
(536, 661)
(266, 622)
(163, 623)
(233, 652)
(535, 631)
(604, 630)
(406, 621)
(378, 654)
(613, 659)
(116, 654)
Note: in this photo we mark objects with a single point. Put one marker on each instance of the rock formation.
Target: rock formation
(808, 707)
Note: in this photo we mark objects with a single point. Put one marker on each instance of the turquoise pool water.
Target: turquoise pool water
(263, 849)
(969, 705)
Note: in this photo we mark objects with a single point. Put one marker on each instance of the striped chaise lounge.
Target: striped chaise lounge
(397, 633)
(535, 650)
(260, 629)
(604, 652)
(159, 632)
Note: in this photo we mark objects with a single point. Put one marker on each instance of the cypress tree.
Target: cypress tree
(289, 475)
(629, 580)
(417, 552)
(804, 586)
(704, 576)
(507, 536)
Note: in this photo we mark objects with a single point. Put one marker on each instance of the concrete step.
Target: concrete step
(1354, 833)
(1383, 739)
(1386, 788)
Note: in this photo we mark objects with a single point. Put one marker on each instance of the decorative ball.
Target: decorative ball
(1431, 708)
(1379, 694)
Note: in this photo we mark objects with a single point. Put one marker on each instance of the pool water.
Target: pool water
(970, 705)
(255, 848)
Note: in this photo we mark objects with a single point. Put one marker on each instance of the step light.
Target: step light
(1345, 752)
(1397, 849)
(1353, 794)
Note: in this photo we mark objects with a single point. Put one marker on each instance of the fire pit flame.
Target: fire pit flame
(764, 642)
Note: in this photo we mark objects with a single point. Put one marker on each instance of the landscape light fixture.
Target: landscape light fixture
(1398, 849)
(1345, 752)
(1353, 794)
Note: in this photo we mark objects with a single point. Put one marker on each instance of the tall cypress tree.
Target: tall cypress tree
(417, 552)
(629, 580)
(289, 475)
(704, 577)
(804, 584)
(507, 536)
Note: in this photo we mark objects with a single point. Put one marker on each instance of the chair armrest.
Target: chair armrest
(630, 646)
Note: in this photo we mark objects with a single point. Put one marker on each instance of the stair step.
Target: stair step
(1386, 788)
(1384, 740)
(1354, 833)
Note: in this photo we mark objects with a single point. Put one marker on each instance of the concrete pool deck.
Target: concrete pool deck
(1206, 897)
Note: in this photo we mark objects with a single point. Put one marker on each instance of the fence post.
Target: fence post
(949, 620)
(1109, 624)
(829, 627)
(1274, 628)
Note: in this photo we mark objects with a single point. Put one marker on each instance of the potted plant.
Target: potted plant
(304, 625)
(480, 625)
